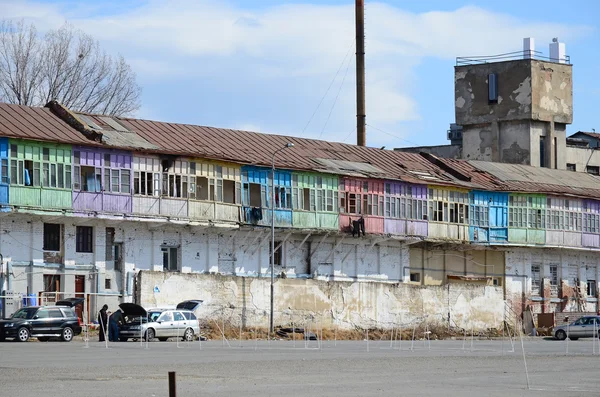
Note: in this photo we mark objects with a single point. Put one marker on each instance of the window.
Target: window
(51, 283)
(592, 169)
(479, 215)
(88, 179)
(52, 237)
(535, 279)
(4, 170)
(542, 151)
(554, 280)
(170, 258)
(278, 253)
(415, 277)
(591, 288)
(563, 214)
(448, 206)
(571, 167)
(84, 239)
(216, 183)
(46, 167)
(591, 217)
(107, 283)
(314, 193)
(493, 88)
(177, 316)
(527, 212)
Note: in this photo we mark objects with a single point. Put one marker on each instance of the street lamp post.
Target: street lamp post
(287, 145)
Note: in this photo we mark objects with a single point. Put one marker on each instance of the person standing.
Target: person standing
(115, 321)
(103, 322)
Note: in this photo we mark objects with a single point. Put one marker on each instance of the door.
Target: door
(79, 293)
(56, 321)
(578, 328)
(180, 323)
(40, 323)
(165, 326)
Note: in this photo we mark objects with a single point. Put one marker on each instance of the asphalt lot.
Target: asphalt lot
(441, 368)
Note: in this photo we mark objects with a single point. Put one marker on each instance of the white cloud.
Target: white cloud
(286, 56)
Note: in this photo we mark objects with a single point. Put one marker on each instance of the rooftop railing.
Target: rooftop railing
(510, 56)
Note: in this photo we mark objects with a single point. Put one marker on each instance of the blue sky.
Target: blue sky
(265, 65)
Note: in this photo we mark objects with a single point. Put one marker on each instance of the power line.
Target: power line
(395, 136)
(328, 88)
(336, 97)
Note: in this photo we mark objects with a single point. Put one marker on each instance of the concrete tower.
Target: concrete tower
(514, 108)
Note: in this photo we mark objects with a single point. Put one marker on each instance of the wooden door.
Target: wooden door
(79, 293)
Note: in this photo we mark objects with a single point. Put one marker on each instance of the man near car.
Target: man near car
(103, 322)
(115, 321)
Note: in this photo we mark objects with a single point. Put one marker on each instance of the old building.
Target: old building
(89, 204)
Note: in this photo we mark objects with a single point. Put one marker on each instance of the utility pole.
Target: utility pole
(361, 117)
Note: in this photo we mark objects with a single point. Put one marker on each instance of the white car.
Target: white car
(160, 324)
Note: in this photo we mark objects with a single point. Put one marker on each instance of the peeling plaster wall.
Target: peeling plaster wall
(471, 92)
(332, 304)
(552, 92)
(571, 265)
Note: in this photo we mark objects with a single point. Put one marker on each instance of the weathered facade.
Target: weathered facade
(84, 213)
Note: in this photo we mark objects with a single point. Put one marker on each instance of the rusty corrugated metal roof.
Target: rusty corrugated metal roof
(26, 122)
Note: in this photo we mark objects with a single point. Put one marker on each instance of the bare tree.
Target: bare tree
(66, 65)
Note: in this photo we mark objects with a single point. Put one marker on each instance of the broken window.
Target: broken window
(229, 191)
(254, 193)
(592, 169)
(591, 288)
(554, 280)
(278, 253)
(170, 258)
(535, 279)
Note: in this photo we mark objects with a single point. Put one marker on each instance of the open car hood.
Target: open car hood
(70, 302)
(190, 304)
(131, 309)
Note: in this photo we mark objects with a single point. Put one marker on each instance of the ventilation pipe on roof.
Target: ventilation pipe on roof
(557, 51)
(528, 48)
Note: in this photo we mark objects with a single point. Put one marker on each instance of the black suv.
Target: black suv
(43, 322)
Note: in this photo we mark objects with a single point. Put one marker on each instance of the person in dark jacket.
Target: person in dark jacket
(102, 322)
(115, 321)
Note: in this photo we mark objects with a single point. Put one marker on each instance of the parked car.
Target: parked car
(585, 327)
(43, 322)
(161, 324)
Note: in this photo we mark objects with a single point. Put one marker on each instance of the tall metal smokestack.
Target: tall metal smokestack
(361, 117)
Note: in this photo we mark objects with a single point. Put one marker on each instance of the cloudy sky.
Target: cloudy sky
(289, 68)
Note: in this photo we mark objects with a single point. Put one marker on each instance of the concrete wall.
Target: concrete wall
(342, 304)
(582, 157)
(435, 265)
(552, 92)
(471, 92)
(571, 265)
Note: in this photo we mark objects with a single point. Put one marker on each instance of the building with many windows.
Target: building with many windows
(88, 202)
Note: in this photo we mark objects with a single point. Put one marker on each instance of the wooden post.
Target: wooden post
(172, 385)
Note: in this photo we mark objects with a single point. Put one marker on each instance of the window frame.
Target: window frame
(84, 239)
